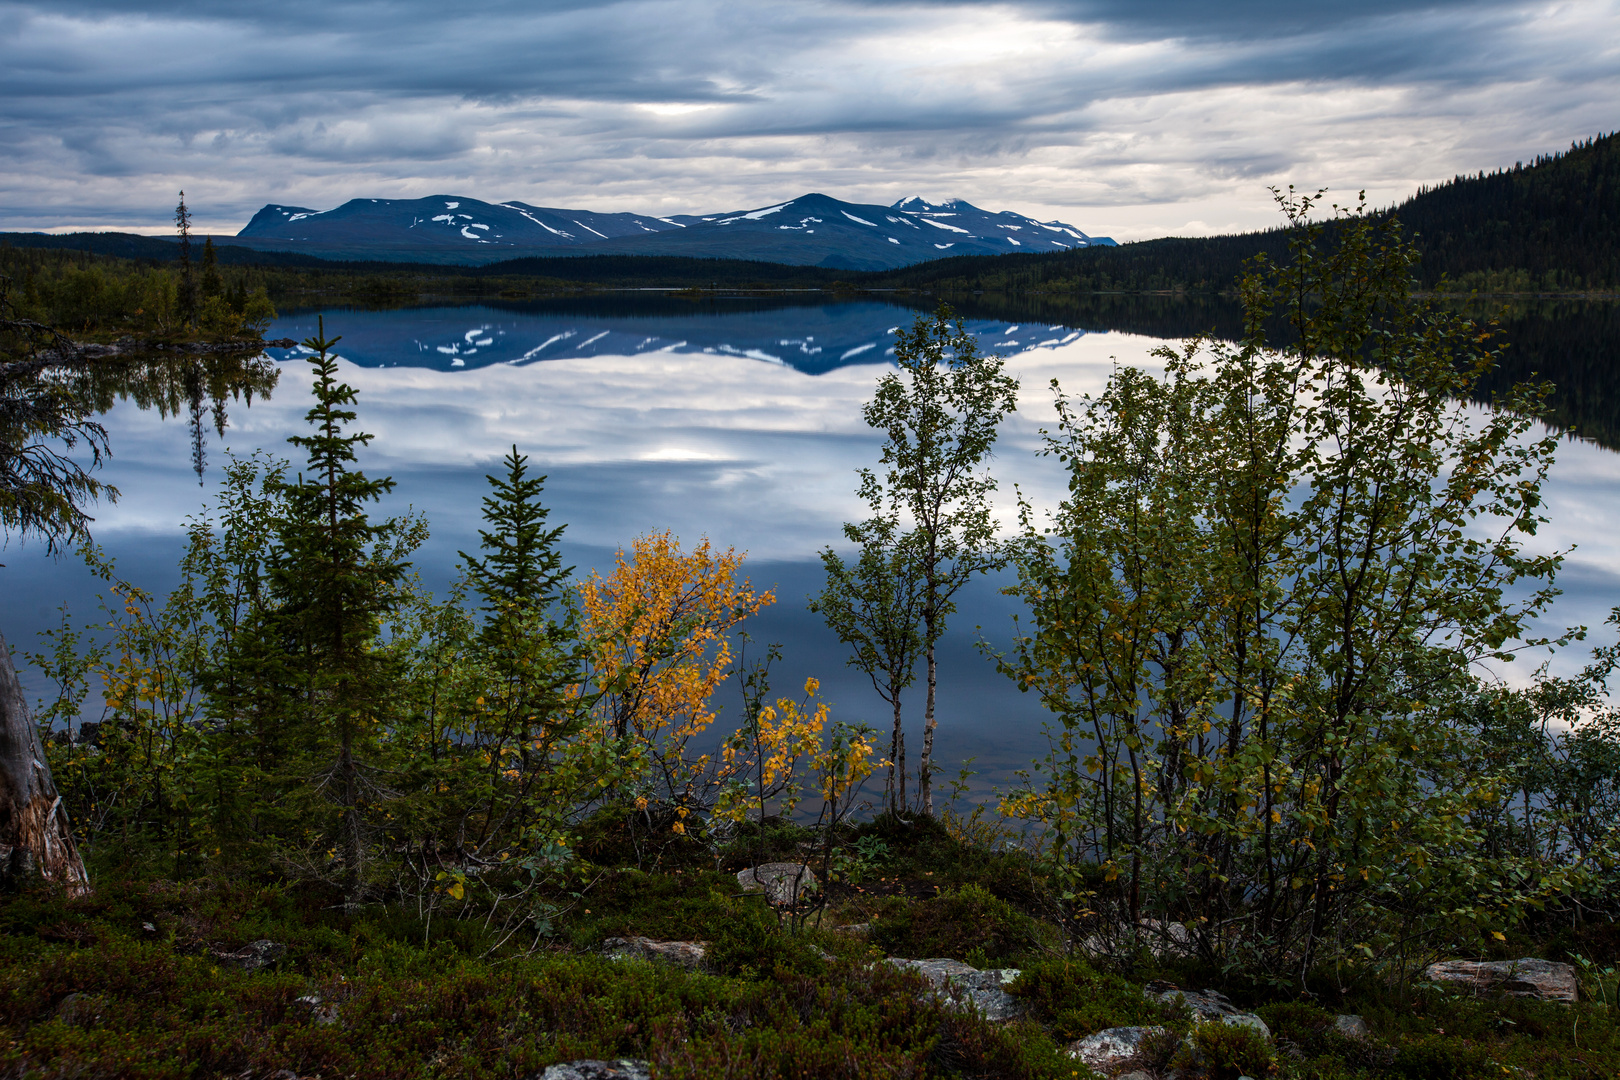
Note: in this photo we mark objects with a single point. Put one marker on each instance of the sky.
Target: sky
(1126, 118)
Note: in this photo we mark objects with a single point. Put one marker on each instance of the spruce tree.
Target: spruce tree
(212, 284)
(188, 283)
(529, 637)
(334, 576)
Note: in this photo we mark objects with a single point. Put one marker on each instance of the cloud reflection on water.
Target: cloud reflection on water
(753, 454)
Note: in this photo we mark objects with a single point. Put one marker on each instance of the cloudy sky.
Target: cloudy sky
(1131, 118)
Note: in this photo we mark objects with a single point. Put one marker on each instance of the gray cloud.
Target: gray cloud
(1126, 118)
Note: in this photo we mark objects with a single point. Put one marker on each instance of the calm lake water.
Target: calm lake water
(738, 420)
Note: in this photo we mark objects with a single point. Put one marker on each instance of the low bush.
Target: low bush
(1228, 1051)
(111, 1004)
(1307, 1026)
(1075, 1000)
(966, 923)
(1446, 1057)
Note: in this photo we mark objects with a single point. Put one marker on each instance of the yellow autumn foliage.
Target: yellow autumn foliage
(657, 635)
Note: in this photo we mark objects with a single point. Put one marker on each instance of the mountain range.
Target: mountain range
(812, 230)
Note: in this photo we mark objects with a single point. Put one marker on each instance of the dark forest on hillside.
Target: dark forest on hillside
(1552, 225)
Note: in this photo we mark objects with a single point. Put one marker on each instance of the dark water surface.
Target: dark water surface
(738, 419)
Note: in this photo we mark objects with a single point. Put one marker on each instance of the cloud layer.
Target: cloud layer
(1130, 119)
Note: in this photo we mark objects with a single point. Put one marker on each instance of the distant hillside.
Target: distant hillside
(812, 230)
(1552, 225)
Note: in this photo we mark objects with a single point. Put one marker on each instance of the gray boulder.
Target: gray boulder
(686, 954)
(783, 882)
(1351, 1027)
(1106, 1050)
(1207, 1007)
(962, 985)
(622, 1069)
(80, 1009)
(1543, 980)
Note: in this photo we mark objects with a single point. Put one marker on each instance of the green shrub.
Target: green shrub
(218, 318)
(691, 905)
(954, 924)
(1074, 1000)
(969, 1047)
(1306, 1026)
(752, 943)
(1228, 1051)
(1445, 1057)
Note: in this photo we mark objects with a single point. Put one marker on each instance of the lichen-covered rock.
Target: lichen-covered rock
(1107, 1049)
(250, 957)
(1351, 1027)
(783, 882)
(622, 1069)
(1207, 1006)
(1544, 980)
(984, 990)
(686, 954)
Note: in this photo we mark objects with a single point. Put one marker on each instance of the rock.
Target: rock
(783, 882)
(1135, 1074)
(623, 1069)
(1106, 1049)
(984, 989)
(320, 1013)
(686, 954)
(1163, 939)
(81, 1009)
(859, 929)
(1351, 1027)
(1168, 939)
(1544, 980)
(1209, 1006)
(250, 957)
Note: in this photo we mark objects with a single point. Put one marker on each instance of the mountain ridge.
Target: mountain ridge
(812, 230)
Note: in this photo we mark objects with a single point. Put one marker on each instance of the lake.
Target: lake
(733, 418)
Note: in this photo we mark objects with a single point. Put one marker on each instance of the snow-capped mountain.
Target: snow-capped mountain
(444, 221)
(810, 230)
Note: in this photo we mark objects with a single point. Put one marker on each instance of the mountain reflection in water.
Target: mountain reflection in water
(812, 337)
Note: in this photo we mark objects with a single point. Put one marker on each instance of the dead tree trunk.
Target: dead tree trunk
(34, 833)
